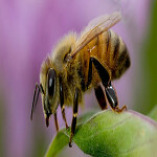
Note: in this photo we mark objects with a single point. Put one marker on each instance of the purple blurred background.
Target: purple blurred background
(28, 31)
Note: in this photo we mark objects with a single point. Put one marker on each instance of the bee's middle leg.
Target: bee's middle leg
(89, 73)
(62, 103)
(75, 112)
(106, 81)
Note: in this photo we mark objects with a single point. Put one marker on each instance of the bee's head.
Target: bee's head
(50, 102)
(49, 90)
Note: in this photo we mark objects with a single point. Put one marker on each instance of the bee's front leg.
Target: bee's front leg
(74, 120)
(56, 122)
(62, 102)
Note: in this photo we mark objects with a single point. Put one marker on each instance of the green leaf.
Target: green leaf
(110, 134)
(60, 141)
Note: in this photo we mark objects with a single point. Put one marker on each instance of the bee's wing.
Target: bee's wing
(95, 28)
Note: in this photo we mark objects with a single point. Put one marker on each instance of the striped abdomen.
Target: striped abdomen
(111, 51)
(118, 55)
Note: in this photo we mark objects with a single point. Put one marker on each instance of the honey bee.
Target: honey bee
(79, 64)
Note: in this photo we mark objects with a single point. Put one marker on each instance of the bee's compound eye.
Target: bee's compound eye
(51, 81)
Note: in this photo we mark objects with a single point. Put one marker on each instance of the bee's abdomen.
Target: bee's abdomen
(110, 50)
(121, 64)
(117, 55)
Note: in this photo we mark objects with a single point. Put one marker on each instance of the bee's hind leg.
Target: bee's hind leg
(98, 90)
(100, 95)
(74, 120)
(112, 98)
(106, 81)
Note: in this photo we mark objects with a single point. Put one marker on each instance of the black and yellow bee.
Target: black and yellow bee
(81, 63)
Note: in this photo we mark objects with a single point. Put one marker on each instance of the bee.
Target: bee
(79, 64)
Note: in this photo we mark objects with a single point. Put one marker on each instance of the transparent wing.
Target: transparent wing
(95, 28)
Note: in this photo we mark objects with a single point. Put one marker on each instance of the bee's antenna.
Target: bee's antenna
(37, 90)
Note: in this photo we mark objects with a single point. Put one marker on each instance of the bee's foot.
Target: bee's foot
(120, 109)
(70, 145)
(70, 140)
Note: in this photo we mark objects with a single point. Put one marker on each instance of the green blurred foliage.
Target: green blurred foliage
(147, 88)
(153, 113)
